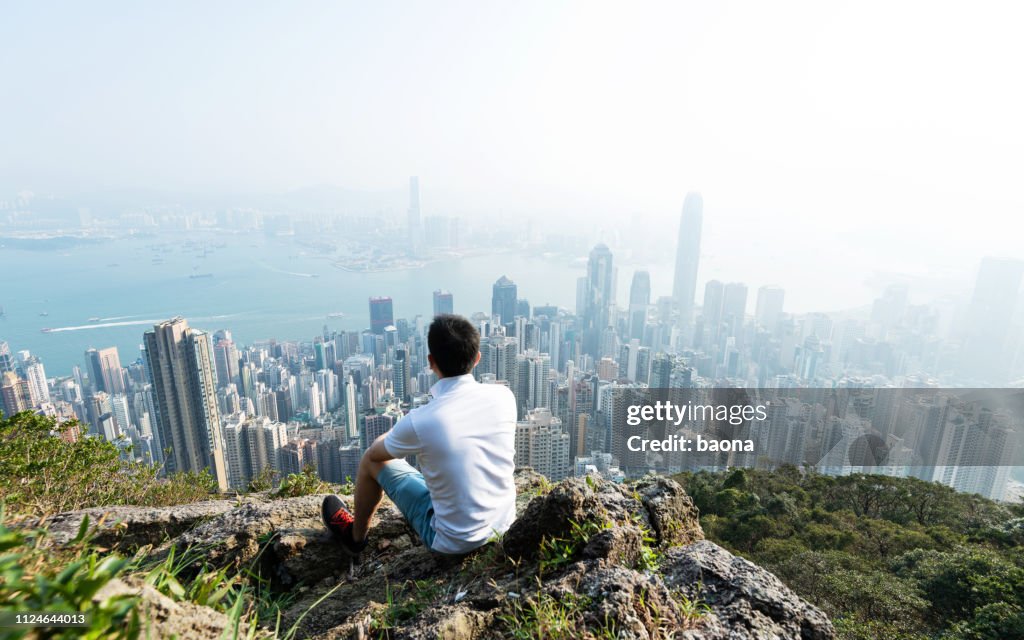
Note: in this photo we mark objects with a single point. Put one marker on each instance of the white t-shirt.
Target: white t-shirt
(464, 442)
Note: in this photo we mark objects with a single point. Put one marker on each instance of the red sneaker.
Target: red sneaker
(339, 521)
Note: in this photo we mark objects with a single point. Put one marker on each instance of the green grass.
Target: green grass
(405, 602)
(33, 579)
(556, 552)
(542, 616)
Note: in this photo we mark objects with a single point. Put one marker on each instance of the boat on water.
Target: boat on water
(94, 319)
(201, 275)
(336, 314)
(46, 330)
(44, 313)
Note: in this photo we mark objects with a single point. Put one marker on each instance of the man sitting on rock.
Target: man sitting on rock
(464, 443)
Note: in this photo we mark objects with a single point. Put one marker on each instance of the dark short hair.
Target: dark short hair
(454, 342)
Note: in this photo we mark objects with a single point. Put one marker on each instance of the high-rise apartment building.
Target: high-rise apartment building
(6, 359)
(226, 358)
(35, 374)
(251, 445)
(15, 393)
(542, 444)
(105, 370)
(400, 375)
(180, 361)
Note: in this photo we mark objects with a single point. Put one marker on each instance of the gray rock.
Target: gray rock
(337, 598)
(163, 618)
(446, 622)
(127, 526)
(616, 546)
(673, 518)
(630, 604)
(572, 501)
(745, 600)
(238, 536)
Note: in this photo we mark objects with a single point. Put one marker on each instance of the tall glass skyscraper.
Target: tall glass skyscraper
(503, 300)
(684, 287)
(443, 302)
(382, 314)
(599, 295)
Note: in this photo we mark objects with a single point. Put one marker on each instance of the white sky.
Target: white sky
(890, 132)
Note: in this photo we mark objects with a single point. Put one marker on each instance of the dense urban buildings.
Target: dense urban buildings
(849, 392)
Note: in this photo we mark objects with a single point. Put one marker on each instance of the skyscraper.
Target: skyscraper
(15, 393)
(503, 300)
(684, 287)
(986, 348)
(769, 306)
(714, 292)
(734, 307)
(400, 375)
(180, 361)
(39, 390)
(598, 298)
(382, 314)
(105, 370)
(443, 302)
(639, 302)
(543, 445)
(6, 360)
(226, 358)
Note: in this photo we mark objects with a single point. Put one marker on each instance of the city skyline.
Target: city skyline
(197, 400)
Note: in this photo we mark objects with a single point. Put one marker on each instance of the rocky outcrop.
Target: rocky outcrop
(746, 600)
(162, 617)
(135, 526)
(585, 558)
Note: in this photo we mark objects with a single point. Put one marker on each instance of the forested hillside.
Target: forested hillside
(884, 557)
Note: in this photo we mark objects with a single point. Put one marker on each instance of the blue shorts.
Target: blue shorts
(407, 489)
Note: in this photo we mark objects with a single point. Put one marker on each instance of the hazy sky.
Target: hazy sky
(894, 131)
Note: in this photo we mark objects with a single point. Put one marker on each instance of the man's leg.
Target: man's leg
(352, 528)
(403, 484)
(368, 493)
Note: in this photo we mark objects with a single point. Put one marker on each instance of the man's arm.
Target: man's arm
(378, 452)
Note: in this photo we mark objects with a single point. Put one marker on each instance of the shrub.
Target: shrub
(302, 484)
(42, 474)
